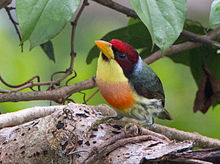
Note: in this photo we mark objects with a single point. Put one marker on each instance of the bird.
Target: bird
(128, 84)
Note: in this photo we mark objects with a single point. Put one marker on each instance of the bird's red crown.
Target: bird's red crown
(125, 55)
(124, 47)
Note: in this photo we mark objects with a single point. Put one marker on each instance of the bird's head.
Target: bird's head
(123, 53)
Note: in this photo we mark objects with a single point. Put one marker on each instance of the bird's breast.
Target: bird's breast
(119, 95)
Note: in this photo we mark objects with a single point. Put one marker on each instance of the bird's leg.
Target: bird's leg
(130, 124)
(103, 120)
(148, 123)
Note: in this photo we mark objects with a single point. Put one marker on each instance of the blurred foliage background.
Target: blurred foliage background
(95, 22)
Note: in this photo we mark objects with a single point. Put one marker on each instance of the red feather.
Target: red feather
(124, 47)
(132, 55)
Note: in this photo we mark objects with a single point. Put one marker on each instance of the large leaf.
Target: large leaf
(214, 18)
(42, 20)
(163, 18)
(136, 34)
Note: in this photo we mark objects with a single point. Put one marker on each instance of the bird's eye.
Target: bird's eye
(122, 55)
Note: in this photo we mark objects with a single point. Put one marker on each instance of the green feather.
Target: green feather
(146, 84)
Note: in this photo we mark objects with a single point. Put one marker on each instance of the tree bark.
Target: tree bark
(61, 137)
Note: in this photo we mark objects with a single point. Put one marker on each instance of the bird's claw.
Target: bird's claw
(131, 124)
(102, 121)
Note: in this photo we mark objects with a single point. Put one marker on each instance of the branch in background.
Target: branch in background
(181, 47)
(4, 3)
(74, 23)
(118, 7)
(200, 38)
(92, 95)
(7, 9)
(72, 51)
(58, 95)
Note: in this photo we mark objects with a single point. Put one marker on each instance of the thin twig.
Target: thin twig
(74, 23)
(75, 74)
(53, 74)
(20, 85)
(15, 26)
(84, 97)
(92, 95)
(72, 52)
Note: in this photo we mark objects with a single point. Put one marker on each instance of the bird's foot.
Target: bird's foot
(102, 121)
(131, 124)
(139, 126)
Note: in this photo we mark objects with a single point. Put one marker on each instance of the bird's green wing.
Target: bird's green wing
(147, 84)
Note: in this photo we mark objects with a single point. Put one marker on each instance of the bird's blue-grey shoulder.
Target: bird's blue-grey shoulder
(145, 81)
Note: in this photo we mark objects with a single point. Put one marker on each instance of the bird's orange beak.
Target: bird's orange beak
(105, 48)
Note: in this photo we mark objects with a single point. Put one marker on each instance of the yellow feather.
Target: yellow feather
(109, 71)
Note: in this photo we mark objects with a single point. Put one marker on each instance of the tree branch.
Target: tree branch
(158, 131)
(74, 23)
(118, 7)
(199, 140)
(181, 47)
(26, 115)
(15, 25)
(200, 38)
(61, 137)
(58, 95)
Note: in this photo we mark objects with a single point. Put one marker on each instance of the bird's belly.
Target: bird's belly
(119, 94)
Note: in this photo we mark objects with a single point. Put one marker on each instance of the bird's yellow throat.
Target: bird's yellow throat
(109, 71)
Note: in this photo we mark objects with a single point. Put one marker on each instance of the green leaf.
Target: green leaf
(133, 21)
(137, 38)
(163, 18)
(214, 18)
(48, 49)
(42, 20)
